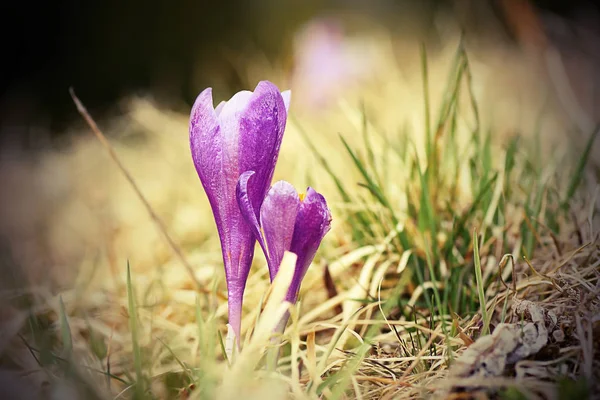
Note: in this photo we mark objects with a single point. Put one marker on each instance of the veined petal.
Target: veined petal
(216, 165)
(229, 120)
(261, 129)
(277, 217)
(231, 111)
(312, 224)
(247, 209)
(206, 143)
(219, 175)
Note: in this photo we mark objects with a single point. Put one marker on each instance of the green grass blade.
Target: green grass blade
(426, 101)
(65, 331)
(470, 86)
(184, 367)
(206, 334)
(358, 232)
(97, 344)
(133, 327)
(222, 345)
(578, 173)
(371, 185)
(459, 227)
(323, 161)
(452, 90)
(480, 283)
(441, 309)
(532, 214)
(367, 142)
(426, 217)
(509, 164)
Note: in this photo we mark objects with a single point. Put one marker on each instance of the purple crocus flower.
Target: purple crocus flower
(243, 134)
(288, 222)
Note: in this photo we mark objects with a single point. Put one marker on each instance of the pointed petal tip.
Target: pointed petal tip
(203, 125)
(243, 197)
(312, 196)
(245, 176)
(203, 100)
(265, 84)
(268, 86)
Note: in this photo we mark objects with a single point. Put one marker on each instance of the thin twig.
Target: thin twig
(159, 223)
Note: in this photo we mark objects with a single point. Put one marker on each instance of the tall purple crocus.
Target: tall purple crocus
(243, 134)
(286, 222)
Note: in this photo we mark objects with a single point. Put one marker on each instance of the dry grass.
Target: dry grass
(78, 328)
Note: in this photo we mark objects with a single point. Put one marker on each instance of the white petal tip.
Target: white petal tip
(219, 107)
(287, 97)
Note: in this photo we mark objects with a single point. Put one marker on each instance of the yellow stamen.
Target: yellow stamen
(302, 196)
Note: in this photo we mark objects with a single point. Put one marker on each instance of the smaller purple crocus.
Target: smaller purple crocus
(288, 222)
(243, 134)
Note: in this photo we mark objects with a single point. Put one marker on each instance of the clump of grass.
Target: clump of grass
(418, 265)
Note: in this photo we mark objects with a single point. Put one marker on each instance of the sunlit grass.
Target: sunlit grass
(424, 225)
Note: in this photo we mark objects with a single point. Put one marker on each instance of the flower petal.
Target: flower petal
(312, 224)
(206, 142)
(219, 107)
(229, 119)
(216, 165)
(261, 129)
(277, 217)
(213, 160)
(234, 107)
(247, 209)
